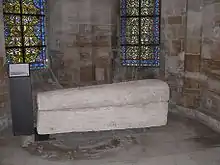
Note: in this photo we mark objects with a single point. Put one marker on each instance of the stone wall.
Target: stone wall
(3, 78)
(82, 39)
(182, 41)
(193, 79)
(210, 57)
(191, 33)
(173, 42)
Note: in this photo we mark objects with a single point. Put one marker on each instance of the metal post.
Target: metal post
(21, 99)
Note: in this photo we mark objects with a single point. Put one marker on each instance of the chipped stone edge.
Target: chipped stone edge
(195, 114)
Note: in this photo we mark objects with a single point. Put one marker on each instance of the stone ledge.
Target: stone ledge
(200, 116)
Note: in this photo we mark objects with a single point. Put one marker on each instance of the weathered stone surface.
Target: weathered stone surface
(192, 83)
(103, 118)
(100, 74)
(175, 20)
(3, 78)
(193, 46)
(4, 122)
(174, 32)
(135, 104)
(211, 102)
(192, 63)
(87, 74)
(210, 65)
(190, 100)
(78, 32)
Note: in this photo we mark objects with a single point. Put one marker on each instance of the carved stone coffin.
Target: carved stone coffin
(134, 104)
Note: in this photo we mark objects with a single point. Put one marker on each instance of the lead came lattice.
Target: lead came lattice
(24, 22)
(140, 32)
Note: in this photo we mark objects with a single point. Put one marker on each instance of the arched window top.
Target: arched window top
(140, 32)
(24, 22)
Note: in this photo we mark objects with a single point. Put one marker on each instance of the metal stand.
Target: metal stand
(21, 99)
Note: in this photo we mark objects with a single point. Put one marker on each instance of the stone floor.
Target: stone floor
(181, 142)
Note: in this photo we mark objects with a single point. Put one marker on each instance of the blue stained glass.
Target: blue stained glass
(123, 30)
(157, 3)
(7, 31)
(156, 30)
(37, 30)
(131, 62)
(39, 4)
(35, 66)
(123, 4)
(123, 12)
(24, 22)
(43, 30)
(140, 32)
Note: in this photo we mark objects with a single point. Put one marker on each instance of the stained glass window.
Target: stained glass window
(140, 32)
(24, 22)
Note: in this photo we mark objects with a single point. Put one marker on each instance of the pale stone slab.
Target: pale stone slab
(103, 118)
(135, 104)
(133, 92)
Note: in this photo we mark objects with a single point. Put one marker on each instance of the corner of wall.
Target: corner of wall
(4, 117)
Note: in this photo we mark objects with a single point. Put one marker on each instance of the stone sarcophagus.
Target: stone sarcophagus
(134, 104)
